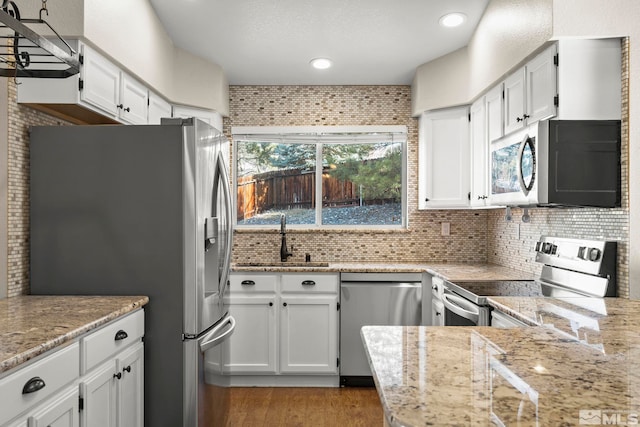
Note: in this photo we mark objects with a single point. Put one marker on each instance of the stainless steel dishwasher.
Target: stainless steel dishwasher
(373, 299)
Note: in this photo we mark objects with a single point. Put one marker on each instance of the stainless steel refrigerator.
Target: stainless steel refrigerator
(143, 210)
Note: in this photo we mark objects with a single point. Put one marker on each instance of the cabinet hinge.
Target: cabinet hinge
(80, 404)
(469, 117)
(555, 60)
(81, 59)
(80, 84)
(469, 195)
(338, 306)
(556, 100)
(338, 362)
(503, 94)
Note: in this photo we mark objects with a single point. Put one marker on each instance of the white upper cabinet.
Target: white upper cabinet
(443, 159)
(493, 102)
(158, 108)
(208, 116)
(479, 153)
(99, 82)
(529, 93)
(514, 101)
(134, 101)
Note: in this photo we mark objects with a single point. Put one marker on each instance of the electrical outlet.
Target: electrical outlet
(445, 228)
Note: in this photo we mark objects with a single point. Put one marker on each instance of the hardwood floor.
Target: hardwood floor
(305, 407)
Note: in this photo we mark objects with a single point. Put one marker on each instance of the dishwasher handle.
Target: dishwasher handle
(461, 307)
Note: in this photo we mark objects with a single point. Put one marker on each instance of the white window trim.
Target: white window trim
(315, 134)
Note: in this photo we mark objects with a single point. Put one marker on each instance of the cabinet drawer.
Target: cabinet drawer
(252, 283)
(309, 283)
(111, 339)
(55, 371)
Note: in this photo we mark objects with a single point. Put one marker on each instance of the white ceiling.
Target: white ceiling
(270, 42)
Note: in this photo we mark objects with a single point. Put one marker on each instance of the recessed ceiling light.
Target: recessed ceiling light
(453, 19)
(321, 63)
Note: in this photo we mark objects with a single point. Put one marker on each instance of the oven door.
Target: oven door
(459, 311)
(514, 169)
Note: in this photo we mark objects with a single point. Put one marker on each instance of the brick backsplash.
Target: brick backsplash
(476, 236)
(354, 105)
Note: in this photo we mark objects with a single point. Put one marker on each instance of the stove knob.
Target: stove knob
(547, 248)
(582, 252)
(554, 249)
(538, 246)
(594, 254)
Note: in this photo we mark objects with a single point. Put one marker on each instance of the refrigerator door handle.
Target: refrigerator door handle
(214, 337)
(221, 171)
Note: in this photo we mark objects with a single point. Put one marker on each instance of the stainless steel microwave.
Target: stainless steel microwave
(558, 163)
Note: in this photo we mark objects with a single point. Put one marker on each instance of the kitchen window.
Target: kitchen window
(330, 176)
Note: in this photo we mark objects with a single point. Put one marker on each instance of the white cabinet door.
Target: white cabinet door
(101, 82)
(99, 391)
(514, 101)
(130, 388)
(61, 412)
(134, 98)
(158, 108)
(208, 116)
(493, 103)
(443, 163)
(252, 347)
(541, 81)
(479, 154)
(309, 334)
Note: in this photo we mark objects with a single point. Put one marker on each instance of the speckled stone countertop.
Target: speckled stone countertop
(582, 364)
(31, 325)
(453, 272)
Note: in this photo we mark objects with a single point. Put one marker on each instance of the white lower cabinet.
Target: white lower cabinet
(61, 412)
(286, 324)
(252, 347)
(94, 382)
(113, 393)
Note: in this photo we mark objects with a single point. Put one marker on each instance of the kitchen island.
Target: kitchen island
(580, 367)
(32, 325)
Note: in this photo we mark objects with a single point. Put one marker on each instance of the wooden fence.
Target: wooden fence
(290, 189)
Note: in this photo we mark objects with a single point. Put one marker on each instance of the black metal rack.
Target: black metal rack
(25, 53)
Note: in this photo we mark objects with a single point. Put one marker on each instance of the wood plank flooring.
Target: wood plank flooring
(304, 407)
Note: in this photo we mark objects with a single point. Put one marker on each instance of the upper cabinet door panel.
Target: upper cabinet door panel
(493, 100)
(514, 101)
(101, 82)
(134, 98)
(158, 108)
(541, 86)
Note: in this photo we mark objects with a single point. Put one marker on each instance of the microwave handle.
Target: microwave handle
(523, 187)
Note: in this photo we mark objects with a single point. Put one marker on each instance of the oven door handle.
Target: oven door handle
(461, 307)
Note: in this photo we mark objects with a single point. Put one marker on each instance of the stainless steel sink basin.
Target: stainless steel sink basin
(282, 264)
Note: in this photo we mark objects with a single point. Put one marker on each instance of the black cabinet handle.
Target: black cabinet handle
(117, 375)
(525, 116)
(284, 304)
(119, 106)
(270, 304)
(248, 283)
(127, 109)
(426, 199)
(120, 335)
(519, 119)
(308, 283)
(33, 385)
(127, 369)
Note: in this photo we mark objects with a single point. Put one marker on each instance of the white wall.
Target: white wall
(614, 18)
(508, 32)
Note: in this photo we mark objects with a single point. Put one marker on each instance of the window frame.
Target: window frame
(314, 134)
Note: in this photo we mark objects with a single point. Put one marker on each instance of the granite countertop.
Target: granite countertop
(453, 272)
(31, 325)
(582, 363)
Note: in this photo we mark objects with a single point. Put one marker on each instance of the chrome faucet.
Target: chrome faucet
(284, 252)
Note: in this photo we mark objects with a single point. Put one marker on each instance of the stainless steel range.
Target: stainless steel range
(571, 267)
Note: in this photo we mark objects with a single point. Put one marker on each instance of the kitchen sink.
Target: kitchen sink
(282, 264)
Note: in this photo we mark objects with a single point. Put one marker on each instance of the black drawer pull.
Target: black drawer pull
(127, 369)
(248, 283)
(308, 283)
(117, 375)
(120, 335)
(33, 385)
